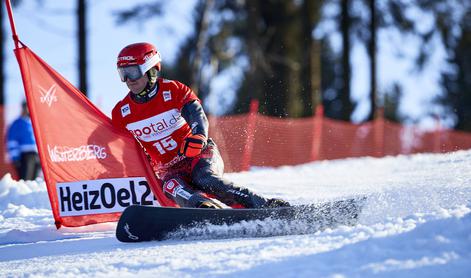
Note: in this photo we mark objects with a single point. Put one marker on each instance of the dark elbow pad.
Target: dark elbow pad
(194, 115)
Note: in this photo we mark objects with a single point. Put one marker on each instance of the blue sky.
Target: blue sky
(49, 30)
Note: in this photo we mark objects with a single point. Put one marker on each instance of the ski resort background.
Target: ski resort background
(93, 171)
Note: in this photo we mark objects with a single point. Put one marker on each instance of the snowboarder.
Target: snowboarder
(166, 117)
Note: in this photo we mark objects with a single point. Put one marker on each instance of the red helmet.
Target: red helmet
(136, 59)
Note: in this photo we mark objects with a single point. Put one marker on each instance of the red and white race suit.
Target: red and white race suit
(159, 126)
(158, 123)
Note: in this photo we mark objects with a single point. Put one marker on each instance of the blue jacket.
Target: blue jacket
(20, 138)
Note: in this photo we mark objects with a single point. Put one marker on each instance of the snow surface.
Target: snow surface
(416, 223)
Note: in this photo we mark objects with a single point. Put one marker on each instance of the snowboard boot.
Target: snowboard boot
(276, 203)
(209, 204)
(199, 201)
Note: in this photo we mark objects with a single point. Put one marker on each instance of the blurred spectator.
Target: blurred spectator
(21, 146)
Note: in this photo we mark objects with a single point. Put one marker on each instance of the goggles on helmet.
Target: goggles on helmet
(135, 72)
(130, 72)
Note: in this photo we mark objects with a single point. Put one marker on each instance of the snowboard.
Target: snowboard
(146, 223)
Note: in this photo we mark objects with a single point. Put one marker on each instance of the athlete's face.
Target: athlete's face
(136, 86)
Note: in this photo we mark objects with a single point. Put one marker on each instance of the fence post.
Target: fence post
(317, 132)
(379, 132)
(251, 124)
(438, 135)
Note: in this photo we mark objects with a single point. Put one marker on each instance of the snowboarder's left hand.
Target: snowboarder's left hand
(193, 145)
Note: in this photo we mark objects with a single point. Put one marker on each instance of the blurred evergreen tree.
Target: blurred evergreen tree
(452, 23)
(332, 81)
(275, 37)
(345, 29)
(283, 69)
(82, 66)
(284, 59)
(391, 103)
(458, 82)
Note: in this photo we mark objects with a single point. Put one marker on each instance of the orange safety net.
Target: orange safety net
(256, 140)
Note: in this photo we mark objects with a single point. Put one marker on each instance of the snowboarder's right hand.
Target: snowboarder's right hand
(193, 145)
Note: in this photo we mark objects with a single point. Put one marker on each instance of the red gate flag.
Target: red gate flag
(92, 169)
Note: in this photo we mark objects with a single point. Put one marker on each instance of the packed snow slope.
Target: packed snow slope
(416, 223)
